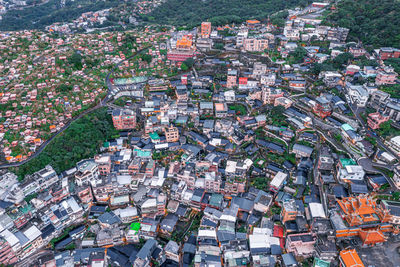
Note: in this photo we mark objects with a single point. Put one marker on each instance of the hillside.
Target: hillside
(42, 15)
(219, 12)
(81, 140)
(374, 23)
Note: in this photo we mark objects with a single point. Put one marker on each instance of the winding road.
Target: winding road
(102, 103)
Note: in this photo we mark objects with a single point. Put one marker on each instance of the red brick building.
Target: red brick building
(124, 119)
(389, 52)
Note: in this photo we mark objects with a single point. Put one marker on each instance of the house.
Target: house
(357, 94)
(289, 260)
(301, 245)
(376, 119)
(388, 52)
(302, 151)
(167, 225)
(385, 76)
(352, 69)
(171, 251)
(144, 255)
(298, 85)
(277, 182)
(394, 144)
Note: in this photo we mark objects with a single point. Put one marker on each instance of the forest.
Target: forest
(219, 12)
(81, 140)
(375, 23)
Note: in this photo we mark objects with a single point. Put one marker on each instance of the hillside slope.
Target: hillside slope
(40, 16)
(219, 12)
(374, 23)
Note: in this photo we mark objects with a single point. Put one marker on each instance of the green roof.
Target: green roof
(347, 127)
(106, 144)
(320, 263)
(216, 200)
(135, 226)
(154, 136)
(347, 162)
(143, 153)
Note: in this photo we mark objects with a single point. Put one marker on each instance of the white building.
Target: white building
(88, 172)
(357, 94)
(351, 172)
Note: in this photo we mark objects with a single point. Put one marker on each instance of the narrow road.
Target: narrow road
(100, 104)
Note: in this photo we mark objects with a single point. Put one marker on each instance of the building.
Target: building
(269, 95)
(322, 107)
(255, 44)
(124, 119)
(7, 254)
(349, 171)
(302, 151)
(231, 78)
(171, 134)
(104, 164)
(361, 217)
(350, 258)
(301, 245)
(337, 34)
(376, 119)
(394, 144)
(358, 94)
(283, 101)
(389, 52)
(172, 251)
(143, 257)
(385, 76)
(289, 211)
(396, 177)
(205, 29)
(298, 85)
(277, 182)
(180, 55)
(392, 109)
(87, 172)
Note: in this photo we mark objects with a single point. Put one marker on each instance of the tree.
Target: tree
(147, 58)
(277, 112)
(342, 59)
(299, 54)
(189, 62)
(76, 61)
(184, 67)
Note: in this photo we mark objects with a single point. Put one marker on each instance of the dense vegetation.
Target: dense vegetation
(219, 12)
(81, 140)
(393, 90)
(374, 23)
(40, 16)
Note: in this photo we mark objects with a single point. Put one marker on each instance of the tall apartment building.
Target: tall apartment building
(7, 254)
(171, 134)
(205, 29)
(231, 80)
(124, 119)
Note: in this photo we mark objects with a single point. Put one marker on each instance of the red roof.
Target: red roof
(278, 231)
